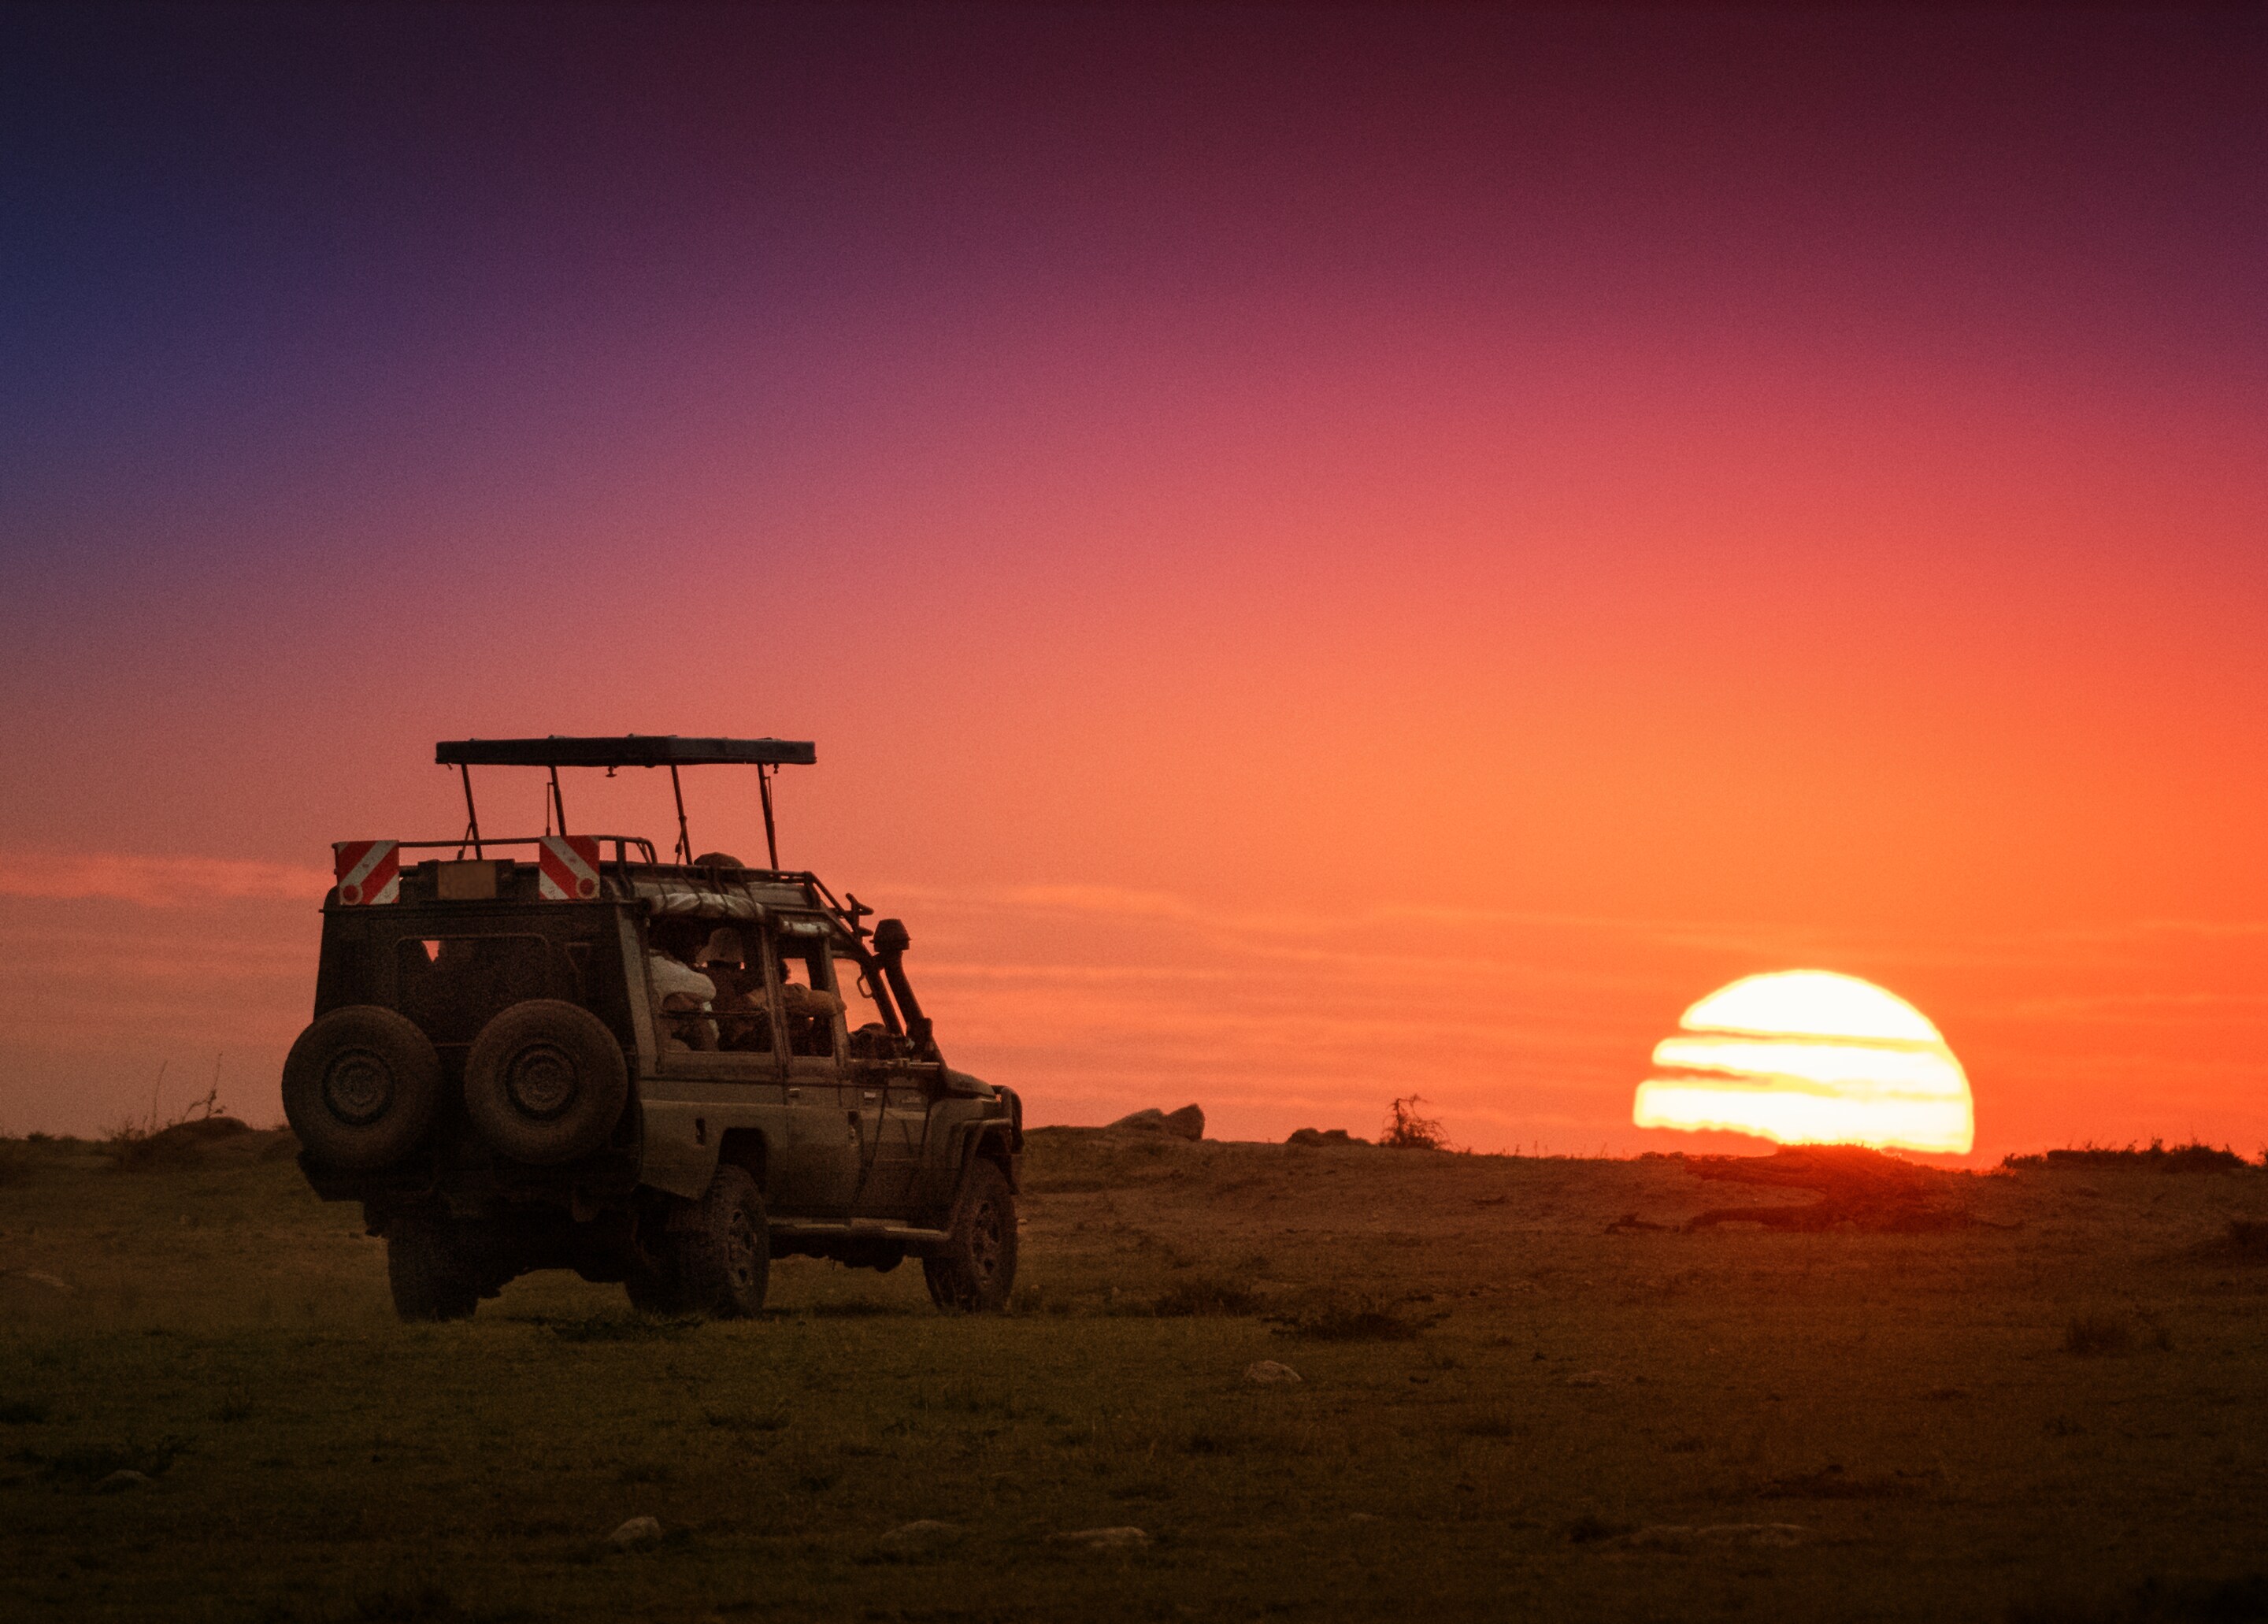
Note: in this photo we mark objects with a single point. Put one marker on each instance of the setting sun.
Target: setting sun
(1810, 1056)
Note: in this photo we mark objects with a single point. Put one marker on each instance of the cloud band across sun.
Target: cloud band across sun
(1810, 1056)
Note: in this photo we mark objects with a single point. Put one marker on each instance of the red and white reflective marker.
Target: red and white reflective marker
(369, 871)
(567, 867)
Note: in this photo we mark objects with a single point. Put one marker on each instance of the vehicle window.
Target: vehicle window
(805, 1005)
(685, 996)
(451, 985)
(860, 1013)
(743, 1008)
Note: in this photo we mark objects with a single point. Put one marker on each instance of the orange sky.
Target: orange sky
(1326, 557)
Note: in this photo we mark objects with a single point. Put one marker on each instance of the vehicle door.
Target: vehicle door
(717, 1055)
(893, 1094)
(828, 1142)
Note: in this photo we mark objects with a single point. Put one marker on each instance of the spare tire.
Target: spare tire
(360, 1087)
(546, 1082)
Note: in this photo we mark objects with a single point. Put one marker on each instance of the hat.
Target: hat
(725, 947)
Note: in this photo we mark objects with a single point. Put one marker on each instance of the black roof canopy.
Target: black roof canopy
(636, 749)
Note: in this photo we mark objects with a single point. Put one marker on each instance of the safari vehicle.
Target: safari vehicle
(556, 1050)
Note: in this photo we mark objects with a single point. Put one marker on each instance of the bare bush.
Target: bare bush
(1406, 1130)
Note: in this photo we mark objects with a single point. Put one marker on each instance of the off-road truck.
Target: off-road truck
(558, 1052)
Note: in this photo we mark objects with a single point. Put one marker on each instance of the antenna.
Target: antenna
(771, 836)
(472, 818)
(684, 840)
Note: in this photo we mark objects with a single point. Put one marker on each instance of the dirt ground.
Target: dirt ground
(1517, 1398)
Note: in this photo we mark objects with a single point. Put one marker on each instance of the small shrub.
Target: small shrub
(1210, 1438)
(2247, 1238)
(1205, 1297)
(619, 1328)
(1587, 1529)
(1219, 1436)
(1354, 1319)
(403, 1601)
(2092, 1335)
(734, 1421)
(1406, 1130)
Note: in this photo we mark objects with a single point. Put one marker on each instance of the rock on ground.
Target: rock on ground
(638, 1531)
(1267, 1373)
(1187, 1123)
(925, 1535)
(44, 1278)
(1324, 1136)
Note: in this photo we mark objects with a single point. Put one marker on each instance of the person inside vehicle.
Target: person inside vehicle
(680, 990)
(744, 1023)
(808, 1011)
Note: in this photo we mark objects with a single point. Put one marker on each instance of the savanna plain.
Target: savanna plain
(1525, 1388)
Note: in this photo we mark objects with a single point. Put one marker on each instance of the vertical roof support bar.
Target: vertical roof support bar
(684, 840)
(558, 805)
(771, 838)
(472, 818)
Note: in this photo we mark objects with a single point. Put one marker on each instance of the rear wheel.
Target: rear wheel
(977, 1268)
(360, 1087)
(716, 1256)
(545, 1081)
(429, 1274)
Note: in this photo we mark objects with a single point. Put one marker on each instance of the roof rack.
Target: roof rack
(636, 749)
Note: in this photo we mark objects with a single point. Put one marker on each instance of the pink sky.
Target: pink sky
(1327, 556)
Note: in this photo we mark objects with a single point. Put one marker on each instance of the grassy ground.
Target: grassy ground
(1506, 1409)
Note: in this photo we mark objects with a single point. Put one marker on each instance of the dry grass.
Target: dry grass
(2157, 1157)
(1505, 1410)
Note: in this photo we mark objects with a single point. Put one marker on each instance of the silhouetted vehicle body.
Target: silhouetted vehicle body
(661, 1074)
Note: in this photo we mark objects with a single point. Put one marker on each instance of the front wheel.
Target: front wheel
(977, 1268)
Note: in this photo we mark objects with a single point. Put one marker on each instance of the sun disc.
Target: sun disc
(1810, 1056)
